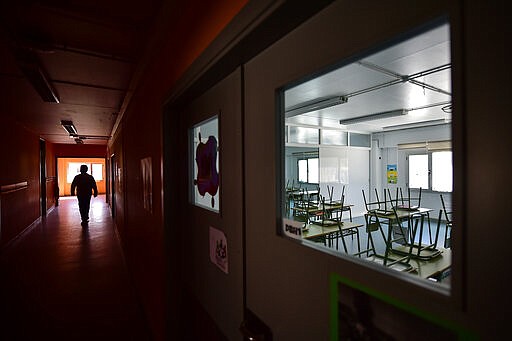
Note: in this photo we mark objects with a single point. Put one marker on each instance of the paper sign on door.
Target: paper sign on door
(219, 249)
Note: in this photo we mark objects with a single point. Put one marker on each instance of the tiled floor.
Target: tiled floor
(64, 282)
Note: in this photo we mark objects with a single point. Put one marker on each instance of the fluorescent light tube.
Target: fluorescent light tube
(417, 124)
(34, 72)
(69, 127)
(377, 116)
(315, 105)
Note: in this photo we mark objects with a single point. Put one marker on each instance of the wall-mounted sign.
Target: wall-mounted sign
(392, 174)
(292, 228)
(219, 249)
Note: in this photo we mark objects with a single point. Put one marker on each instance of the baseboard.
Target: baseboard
(48, 211)
(11, 243)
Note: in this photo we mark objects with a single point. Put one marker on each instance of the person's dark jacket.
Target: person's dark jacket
(84, 184)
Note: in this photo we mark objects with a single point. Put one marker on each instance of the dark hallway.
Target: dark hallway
(62, 282)
(251, 158)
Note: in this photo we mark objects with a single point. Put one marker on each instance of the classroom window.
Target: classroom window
(308, 170)
(431, 171)
(418, 171)
(334, 137)
(304, 135)
(442, 170)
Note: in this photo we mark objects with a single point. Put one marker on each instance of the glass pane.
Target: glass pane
(204, 156)
(418, 171)
(359, 140)
(304, 135)
(334, 137)
(313, 170)
(442, 171)
(73, 170)
(97, 171)
(303, 170)
(333, 165)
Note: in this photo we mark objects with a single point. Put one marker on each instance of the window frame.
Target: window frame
(429, 154)
(307, 169)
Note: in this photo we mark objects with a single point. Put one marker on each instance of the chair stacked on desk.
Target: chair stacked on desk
(405, 219)
(324, 221)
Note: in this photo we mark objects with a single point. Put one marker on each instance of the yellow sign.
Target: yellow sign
(392, 174)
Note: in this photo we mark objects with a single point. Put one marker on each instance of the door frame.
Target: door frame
(237, 44)
(42, 176)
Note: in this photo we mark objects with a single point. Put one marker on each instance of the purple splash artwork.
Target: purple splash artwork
(207, 175)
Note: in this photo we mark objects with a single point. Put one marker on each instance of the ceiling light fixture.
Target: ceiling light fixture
(92, 137)
(417, 124)
(69, 127)
(377, 116)
(34, 72)
(315, 105)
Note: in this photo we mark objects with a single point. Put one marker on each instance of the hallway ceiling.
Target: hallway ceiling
(89, 51)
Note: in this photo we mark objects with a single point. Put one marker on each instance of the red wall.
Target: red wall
(187, 33)
(80, 150)
(19, 148)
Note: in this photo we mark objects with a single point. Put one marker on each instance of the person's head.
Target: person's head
(83, 168)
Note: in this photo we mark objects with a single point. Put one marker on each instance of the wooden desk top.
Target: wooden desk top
(314, 231)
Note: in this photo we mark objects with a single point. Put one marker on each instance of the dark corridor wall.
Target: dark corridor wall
(183, 35)
(19, 205)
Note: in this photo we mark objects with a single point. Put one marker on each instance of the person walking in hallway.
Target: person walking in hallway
(84, 185)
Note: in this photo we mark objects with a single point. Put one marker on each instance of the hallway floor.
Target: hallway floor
(64, 282)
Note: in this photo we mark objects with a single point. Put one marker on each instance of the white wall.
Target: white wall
(385, 146)
(339, 166)
(353, 173)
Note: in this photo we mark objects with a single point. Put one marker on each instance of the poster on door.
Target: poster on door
(363, 316)
(219, 249)
(392, 174)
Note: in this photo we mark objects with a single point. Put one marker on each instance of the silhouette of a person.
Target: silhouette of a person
(84, 185)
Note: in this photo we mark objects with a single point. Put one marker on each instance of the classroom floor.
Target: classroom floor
(63, 282)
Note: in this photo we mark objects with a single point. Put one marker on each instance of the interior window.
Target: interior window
(368, 161)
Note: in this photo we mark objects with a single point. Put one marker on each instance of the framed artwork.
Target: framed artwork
(204, 156)
(147, 183)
